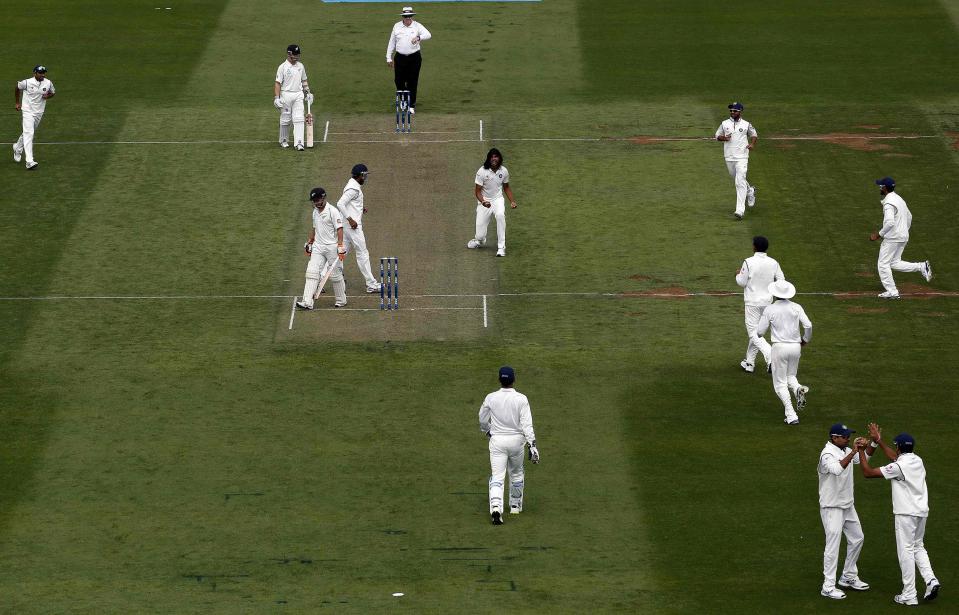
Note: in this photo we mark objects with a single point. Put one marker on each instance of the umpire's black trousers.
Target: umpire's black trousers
(407, 73)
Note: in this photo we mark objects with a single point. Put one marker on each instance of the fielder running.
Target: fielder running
(289, 91)
(492, 180)
(325, 249)
(896, 220)
(838, 512)
(910, 506)
(738, 137)
(352, 209)
(755, 276)
(30, 96)
(784, 317)
(506, 419)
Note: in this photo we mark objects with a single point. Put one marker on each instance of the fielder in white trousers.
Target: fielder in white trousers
(785, 363)
(737, 170)
(506, 456)
(755, 345)
(835, 523)
(890, 259)
(910, 532)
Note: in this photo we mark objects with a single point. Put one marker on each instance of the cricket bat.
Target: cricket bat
(326, 276)
(309, 125)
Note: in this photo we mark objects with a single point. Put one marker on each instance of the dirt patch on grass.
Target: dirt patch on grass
(667, 292)
(858, 309)
(916, 291)
(640, 277)
(861, 143)
(858, 294)
(955, 139)
(646, 140)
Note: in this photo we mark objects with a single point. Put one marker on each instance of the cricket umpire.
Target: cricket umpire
(404, 49)
(506, 419)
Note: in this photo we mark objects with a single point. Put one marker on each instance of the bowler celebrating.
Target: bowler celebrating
(30, 96)
(492, 181)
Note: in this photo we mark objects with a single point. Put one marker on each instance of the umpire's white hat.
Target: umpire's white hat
(407, 12)
(782, 289)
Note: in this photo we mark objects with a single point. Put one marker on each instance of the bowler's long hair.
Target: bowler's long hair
(486, 165)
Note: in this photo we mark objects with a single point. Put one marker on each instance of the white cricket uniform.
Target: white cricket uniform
(838, 514)
(736, 154)
(896, 220)
(351, 206)
(506, 416)
(755, 276)
(784, 317)
(291, 78)
(492, 190)
(401, 39)
(324, 252)
(32, 106)
(910, 505)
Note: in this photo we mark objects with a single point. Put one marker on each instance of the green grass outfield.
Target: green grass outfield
(168, 444)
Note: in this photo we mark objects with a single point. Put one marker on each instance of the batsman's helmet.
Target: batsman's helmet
(359, 169)
(317, 193)
(293, 49)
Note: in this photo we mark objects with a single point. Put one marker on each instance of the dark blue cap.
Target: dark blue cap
(39, 68)
(840, 430)
(359, 169)
(904, 439)
(507, 375)
(888, 182)
(738, 106)
(316, 193)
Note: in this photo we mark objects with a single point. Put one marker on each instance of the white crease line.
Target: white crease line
(481, 130)
(484, 312)
(292, 314)
(326, 131)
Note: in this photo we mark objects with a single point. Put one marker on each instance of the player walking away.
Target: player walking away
(910, 506)
(31, 96)
(738, 137)
(784, 318)
(289, 91)
(492, 180)
(405, 39)
(896, 220)
(506, 420)
(838, 512)
(325, 249)
(352, 209)
(756, 274)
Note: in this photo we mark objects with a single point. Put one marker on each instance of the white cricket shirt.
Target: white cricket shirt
(291, 76)
(741, 131)
(351, 203)
(326, 223)
(506, 413)
(784, 317)
(909, 493)
(835, 482)
(32, 100)
(755, 276)
(492, 181)
(401, 39)
(896, 218)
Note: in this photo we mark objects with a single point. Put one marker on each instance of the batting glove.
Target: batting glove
(533, 452)
(277, 103)
(340, 250)
(309, 98)
(308, 247)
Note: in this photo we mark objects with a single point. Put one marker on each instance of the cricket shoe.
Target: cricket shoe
(32, 165)
(17, 154)
(794, 421)
(339, 304)
(926, 270)
(905, 601)
(303, 306)
(801, 397)
(889, 295)
(738, 216)
(515, 510)
(751, 196)
(835, 594)
(747, 367)
(501, 253)
(857, 584)
(497, 517)
(472, 244)
(932, 590)
(412, 110)
(375, 288)
(299, 147)
(285, 144)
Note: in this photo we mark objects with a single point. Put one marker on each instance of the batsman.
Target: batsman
(326, 252)
(290, 90)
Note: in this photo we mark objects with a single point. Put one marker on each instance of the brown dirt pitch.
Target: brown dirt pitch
(421, 209)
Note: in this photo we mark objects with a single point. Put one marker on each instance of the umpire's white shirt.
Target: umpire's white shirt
(506, 413)
(326, 223)
(492, 181)
(401, 39)
(909, 493)
(784, 317)
(835, 481)
(755, 276)
(740, 131)
(32, 100)
(351, 203)
(291, 76)
(896, 218)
